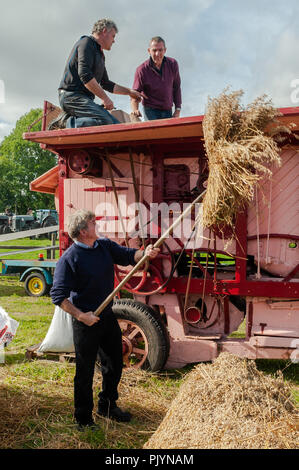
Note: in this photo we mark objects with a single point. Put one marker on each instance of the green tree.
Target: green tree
(21, 162)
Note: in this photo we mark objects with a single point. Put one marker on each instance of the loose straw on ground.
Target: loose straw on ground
(229, 405)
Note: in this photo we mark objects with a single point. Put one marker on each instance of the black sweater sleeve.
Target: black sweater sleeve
(85, 60)
(107, 84)
(122, 255)
(86, 65)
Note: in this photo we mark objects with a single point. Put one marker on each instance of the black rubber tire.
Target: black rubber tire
(44, 287)
(48, 222)
(150, 322)
(6, 229)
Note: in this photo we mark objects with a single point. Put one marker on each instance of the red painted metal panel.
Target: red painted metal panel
(149, 130)
(231, 287)
(106, 189)
(111, 217)
(64, 240)
(164, 139)
(130, 132)
(274, 235)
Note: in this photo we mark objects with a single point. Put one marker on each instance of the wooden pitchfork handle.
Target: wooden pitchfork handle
(145, 257)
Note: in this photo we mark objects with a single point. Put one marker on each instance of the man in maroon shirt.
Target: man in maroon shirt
(158, 79)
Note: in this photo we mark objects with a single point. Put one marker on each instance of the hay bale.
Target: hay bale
(239, 154)
(229, 404)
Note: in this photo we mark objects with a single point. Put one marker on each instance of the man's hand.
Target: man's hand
(88, 318)
(107, 103)
(135, 95)
(136, 113)
(151, 252)
(176, 113)
(94, 87)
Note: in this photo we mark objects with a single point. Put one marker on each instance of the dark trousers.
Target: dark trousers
(81, 106)
(105, 338)
(152, 114)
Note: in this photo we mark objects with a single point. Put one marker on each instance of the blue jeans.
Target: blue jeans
(151, 113)
(81, 107)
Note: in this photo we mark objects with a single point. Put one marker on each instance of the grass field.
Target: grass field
(36, 398)
(27, 242)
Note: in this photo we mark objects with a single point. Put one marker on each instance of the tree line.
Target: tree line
(21, 162)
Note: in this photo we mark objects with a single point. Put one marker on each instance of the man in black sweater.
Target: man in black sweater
(85, 76)
(84, 277)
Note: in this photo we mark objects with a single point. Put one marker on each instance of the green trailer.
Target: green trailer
(37, 275)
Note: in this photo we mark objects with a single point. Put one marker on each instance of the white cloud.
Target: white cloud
(248, 45)
(34, 54)
(5, 129)
(280, 69)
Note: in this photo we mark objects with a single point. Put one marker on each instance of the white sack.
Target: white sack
(59, 337)
(8, 327)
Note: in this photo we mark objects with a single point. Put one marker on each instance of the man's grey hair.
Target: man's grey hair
(157, 39)
(100, 25)
(78, 221)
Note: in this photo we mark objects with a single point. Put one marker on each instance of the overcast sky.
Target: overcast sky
(247, 44)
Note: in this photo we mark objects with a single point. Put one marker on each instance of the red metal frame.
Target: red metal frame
(64, 240)
(163, 139)
(239, 285)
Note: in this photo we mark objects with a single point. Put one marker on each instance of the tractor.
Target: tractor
(4, 228)
(40, 218)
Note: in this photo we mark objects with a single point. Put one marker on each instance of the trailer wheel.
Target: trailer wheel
(145, 339)
(6, 229)
(35, 285)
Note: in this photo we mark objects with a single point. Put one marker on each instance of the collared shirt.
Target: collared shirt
(87, 247)
(86, 61)
(162, 89)
(152, 63)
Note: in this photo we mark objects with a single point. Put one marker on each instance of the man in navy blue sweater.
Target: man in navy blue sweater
(84, 277)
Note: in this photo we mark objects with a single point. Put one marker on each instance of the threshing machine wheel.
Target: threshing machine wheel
(151, 279)
(144, 336)
(35, 285)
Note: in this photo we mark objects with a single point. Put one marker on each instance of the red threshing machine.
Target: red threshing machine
(184, 305)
